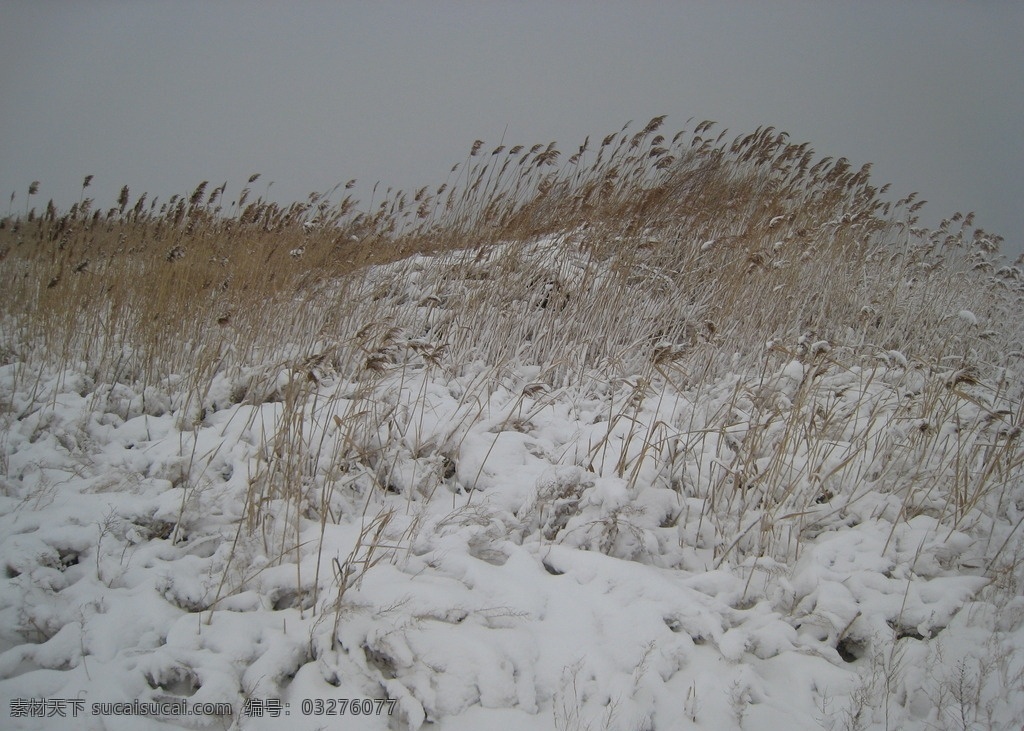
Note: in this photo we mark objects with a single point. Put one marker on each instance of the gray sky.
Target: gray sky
(163, 95)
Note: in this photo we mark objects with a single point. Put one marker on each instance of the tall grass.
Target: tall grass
(640, 267)
(757, 234)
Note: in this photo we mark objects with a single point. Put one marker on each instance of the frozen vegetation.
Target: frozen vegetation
(688, 433)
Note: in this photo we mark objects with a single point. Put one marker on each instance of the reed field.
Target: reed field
(667, 430)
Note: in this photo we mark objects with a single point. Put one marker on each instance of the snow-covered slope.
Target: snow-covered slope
(617, 542)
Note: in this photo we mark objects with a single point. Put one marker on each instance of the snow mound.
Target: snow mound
(471, 545)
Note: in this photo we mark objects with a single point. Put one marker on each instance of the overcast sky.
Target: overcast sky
(163, 95)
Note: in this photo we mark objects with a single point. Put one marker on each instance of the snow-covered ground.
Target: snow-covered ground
(808, 544)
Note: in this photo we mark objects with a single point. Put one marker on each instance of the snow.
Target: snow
(968, 317)
(519, 556)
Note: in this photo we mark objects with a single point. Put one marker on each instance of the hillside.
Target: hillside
(688, 432)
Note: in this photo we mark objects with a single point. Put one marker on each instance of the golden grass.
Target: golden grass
(822, 355)
(767, 238)
(670, 262)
